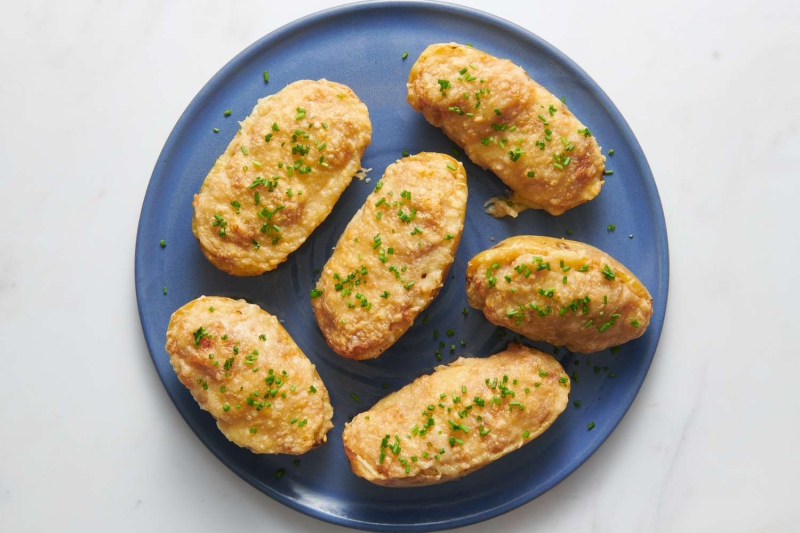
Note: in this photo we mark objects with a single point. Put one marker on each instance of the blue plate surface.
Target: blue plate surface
(361, 46)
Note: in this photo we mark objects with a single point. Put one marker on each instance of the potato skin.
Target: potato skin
(398, 264)
(258, 234)
(226, 350)
(618, 309)
(527, 111)
(396, 415)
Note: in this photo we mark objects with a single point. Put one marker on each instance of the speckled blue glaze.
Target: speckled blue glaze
(361, 46)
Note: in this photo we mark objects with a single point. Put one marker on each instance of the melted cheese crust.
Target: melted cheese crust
(540, 390)
(280, 176)
(242, 367)
(589, 313)
(497, 114)
(386, 270)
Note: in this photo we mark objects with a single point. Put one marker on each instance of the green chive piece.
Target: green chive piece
(266, 76)
(226, 113)
(591, 426)
(405, 55)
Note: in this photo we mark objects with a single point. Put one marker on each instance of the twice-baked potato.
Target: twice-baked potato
(280, 176)
(563, 292)
(509, 124)
(245, 370)
(393, 256)
(458, 419)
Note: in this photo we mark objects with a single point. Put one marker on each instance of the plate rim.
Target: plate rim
(354, 8)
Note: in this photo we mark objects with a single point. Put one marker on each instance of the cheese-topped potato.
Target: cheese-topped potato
(244, 368)
(393, 257)
(509, 124)
(460, 418)
(563, 292)
(280, 176)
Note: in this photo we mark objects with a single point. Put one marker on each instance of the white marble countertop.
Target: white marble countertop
(89, 92)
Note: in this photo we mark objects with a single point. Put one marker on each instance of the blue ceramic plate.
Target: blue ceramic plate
(361, 46)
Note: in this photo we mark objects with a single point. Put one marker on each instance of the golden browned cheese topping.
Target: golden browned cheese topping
(280, 176)
(243, 368)
(563, 292)
(458, 419)
(509, 124)
(393, 257)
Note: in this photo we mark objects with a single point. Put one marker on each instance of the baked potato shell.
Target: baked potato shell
(393, 257)
(462, 417)
(509, 124)
(559, 291)
(280, 176)
(242, 367)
